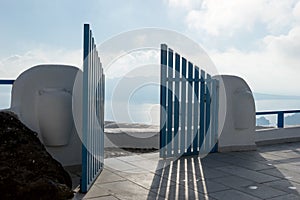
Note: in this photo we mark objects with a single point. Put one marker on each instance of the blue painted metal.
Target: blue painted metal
(183, 107)
(176, 104)
(276, 112)
(280, 120)
(280, 115)
(92, 112)
(196, 112)
(202, 109)
(189, 108)
(170, 104)
(163, 102)
(207, 139)
(7, 82)
(189, 119)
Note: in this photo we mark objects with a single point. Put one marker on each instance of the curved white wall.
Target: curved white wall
(238, 131)
(26, 103)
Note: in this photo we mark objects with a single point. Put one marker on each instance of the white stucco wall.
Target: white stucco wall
(237, 109)
(25, 103)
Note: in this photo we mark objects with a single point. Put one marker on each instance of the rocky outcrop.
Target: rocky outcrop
(27, 170)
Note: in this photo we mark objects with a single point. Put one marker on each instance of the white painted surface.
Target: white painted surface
(26, 103)
(277, 135)
(237, 107)
(57, 131)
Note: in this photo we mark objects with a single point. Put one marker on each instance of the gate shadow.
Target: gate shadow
(179, 179)
(195, 178)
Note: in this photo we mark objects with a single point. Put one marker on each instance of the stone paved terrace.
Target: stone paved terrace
(271, 172)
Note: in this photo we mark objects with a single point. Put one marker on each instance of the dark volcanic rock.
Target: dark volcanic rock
(27, 170)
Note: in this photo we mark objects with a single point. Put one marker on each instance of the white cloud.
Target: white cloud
(272, 69)
(296, 11)
(142, 62)
(258, 40)
(287, 45)
(14, 65)
(218, 17)
(186, 4)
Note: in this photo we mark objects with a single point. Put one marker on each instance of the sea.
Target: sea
(148, 112)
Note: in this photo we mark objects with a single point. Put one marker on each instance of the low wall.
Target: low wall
(134, 138)
(277, 135)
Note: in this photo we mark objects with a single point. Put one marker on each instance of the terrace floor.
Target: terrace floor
(271, 172)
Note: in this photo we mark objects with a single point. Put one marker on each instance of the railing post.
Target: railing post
(280, 119)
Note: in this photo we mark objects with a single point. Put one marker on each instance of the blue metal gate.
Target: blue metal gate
(189, 107)
(92, 112)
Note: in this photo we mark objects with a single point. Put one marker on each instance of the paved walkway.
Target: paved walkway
(271, 172)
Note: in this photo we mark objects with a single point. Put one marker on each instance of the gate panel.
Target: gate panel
(189, 107)
(176, 104)
(170, 103)
(183, 106)
(92, 112)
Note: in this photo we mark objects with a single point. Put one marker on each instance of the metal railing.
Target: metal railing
(93, 112)
(6, 82)
(280, 115)
(195, 129)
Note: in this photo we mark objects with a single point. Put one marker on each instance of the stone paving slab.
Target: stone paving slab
(286, 186)
(232, 194)
(248, 174)
(261, 174)
(234, 181)
(261, 191)
(284, 174)
(286, 197)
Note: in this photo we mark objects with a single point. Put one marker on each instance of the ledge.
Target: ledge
(277, 135)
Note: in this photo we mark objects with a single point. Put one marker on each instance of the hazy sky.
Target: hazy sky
(258, 40)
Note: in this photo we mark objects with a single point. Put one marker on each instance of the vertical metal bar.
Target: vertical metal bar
(196, 107)
(170, 103)
(99, 78)
(280, 119)
(190, 108)
(207, 114)
(176, 104)
(100, 115)
(183, 106)
(103, 110)
(84, 177)
(163, 76)
(96, 112)
(202, 110)
(90, 111)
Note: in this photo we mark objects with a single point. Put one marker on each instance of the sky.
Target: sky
(258, 40)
